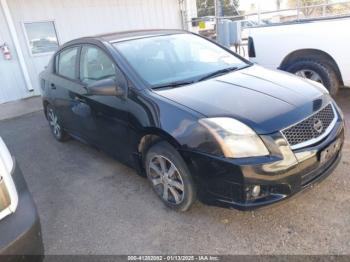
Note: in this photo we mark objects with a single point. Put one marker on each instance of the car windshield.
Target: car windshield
(177, 58)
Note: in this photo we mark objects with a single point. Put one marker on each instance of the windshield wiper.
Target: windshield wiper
(173, 84)
(217, 73)
(207, 76)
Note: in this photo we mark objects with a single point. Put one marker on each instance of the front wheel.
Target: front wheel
(316, 71)
(170, 177)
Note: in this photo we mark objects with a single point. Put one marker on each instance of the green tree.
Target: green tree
(306, 6)
(230, 7)
(207, 7)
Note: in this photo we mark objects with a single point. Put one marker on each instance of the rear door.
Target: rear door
(66, 90)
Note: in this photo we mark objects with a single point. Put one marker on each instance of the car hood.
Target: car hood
(266, 100)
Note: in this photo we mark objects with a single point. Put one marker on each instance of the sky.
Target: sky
(266, 4)
(270, 5)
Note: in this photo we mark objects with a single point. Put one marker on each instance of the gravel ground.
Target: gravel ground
(91, 204)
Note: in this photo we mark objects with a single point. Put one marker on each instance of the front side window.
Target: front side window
(95, 65)
(169, 58)
(66, 63)
(42, 37)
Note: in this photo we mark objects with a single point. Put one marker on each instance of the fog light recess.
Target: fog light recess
(255, 192)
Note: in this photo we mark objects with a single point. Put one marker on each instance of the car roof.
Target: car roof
(129, 35)
(122, 36)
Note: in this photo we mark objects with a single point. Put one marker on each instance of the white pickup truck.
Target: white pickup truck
(314, 49)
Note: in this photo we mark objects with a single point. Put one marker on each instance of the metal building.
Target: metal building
(31, 30)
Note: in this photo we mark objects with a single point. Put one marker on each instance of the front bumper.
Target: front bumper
(20, 232)
(224, 182)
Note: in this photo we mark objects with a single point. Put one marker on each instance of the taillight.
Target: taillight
(251, 47)
(4, 195)
(42, 84)
(8, 192)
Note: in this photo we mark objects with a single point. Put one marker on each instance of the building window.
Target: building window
(41, 37)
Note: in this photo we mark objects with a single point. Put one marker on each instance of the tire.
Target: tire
(179, 181)
(56, 128)
(325, 71)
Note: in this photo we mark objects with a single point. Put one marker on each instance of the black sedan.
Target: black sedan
(195, 118)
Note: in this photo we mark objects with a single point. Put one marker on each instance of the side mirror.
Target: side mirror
(105, 87)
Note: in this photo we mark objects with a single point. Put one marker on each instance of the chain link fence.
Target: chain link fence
(254, 13)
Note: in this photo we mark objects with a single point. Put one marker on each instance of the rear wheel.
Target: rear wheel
(170, 177)
(55, 124)
(317, 71)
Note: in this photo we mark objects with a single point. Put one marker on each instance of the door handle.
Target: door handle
(53, 86)
(79, 99)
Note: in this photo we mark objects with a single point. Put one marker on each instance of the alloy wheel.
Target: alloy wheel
(166, 180)
(53, 121)
(309, 74)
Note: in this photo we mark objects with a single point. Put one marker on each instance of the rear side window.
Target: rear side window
(95, 65)
(66, 63)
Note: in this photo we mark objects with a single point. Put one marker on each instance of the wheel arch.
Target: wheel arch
(312, 54)
(45, 104)
(152, 136)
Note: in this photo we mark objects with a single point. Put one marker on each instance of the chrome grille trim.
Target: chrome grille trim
(315, 139)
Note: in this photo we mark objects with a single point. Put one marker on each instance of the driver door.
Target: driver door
(108, 120)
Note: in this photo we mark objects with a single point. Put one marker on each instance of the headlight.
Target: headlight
(236, 139)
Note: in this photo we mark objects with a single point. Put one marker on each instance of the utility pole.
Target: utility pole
(298, 10)
(278, 4)
(218, 14)
(259, 12)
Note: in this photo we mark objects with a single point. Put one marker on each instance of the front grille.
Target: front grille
(309, 129)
